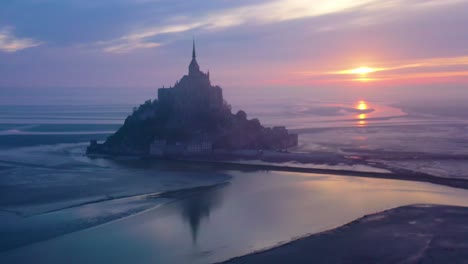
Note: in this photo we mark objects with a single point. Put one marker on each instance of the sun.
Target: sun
(362, 70)
(361, 74)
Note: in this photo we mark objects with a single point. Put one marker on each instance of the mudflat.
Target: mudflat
(408, 234)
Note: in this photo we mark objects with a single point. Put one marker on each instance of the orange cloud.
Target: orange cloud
(421, 69)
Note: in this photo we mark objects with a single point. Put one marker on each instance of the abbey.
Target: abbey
(194, 92)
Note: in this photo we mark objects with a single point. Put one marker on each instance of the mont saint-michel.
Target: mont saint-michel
(346, 142)
(189, 118)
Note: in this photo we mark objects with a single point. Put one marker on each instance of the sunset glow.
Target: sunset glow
(452, 69)
(247, 123)
(362, 70)
(362, 105)
(362, 122)
(351, 56)
(362, 118)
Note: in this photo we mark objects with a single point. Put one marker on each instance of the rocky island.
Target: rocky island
(191, 118)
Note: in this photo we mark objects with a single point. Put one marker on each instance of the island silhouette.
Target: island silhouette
(191, 118)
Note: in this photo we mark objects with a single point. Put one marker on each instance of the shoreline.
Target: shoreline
(404, 176)
(229, 164)
(420, 233)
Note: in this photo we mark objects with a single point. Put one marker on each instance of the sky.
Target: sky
(245, 44)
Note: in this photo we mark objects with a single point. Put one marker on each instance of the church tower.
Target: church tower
(194, 69)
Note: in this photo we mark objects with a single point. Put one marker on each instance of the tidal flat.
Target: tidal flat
(421, 233)
(59, 206)
(251, 211)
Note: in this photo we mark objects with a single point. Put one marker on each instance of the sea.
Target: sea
(58, 205)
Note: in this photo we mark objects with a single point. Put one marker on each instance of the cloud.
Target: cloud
(269, 12)
(416, 69)
(129, 46)
(142, 39)
(426, 63)
(263, 13)
(11, 43)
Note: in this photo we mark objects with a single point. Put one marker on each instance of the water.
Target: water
(57, 205)
(255, 210)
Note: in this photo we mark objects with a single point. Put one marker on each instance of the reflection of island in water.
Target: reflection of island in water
(199, 205)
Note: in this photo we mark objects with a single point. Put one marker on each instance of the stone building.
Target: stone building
(200, 145)
(193, 93)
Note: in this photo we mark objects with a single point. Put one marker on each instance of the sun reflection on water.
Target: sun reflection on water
(362, 105)
(362, 118)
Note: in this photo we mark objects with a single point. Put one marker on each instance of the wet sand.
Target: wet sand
(255, 211)
(396, 174)
(408, 234)
(300, 162)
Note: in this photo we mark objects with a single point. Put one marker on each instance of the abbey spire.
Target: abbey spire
(194, 69)
(194, 55)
